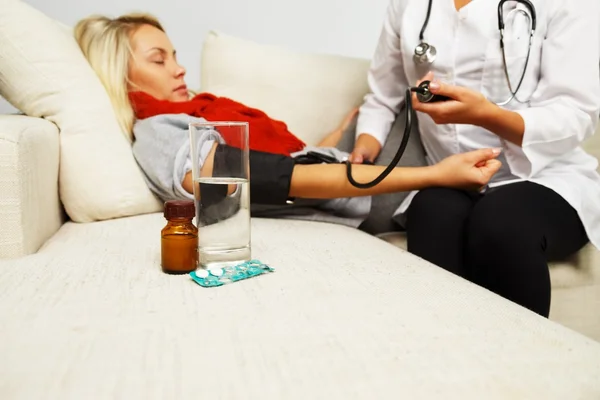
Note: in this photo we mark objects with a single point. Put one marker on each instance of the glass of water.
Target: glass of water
(221, 173)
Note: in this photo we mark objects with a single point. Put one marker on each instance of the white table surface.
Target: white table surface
(345, 316)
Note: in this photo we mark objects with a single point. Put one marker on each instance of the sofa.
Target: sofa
(64, 161)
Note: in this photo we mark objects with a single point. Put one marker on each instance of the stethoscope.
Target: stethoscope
(425, 53)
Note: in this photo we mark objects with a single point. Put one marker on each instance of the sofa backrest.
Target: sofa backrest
(312, 93)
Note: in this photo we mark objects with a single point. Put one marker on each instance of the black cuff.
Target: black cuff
(270, 174)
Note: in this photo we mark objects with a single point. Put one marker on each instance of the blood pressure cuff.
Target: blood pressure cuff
(270, 175)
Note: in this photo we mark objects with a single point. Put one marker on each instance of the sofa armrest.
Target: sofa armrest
(30, 209)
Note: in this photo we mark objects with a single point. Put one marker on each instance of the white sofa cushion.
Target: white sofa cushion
(345, 316)
(44, 74)
(311, 93)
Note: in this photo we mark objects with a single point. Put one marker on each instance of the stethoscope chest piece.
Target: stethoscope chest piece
(424, 95)
(424, 54)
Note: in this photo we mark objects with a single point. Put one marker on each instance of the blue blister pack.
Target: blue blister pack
(222, 276)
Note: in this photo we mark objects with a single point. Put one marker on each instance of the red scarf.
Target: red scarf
(266, 134)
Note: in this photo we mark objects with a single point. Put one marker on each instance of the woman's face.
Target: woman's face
(153, 68)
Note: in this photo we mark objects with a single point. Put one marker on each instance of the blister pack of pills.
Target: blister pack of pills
(222, 276)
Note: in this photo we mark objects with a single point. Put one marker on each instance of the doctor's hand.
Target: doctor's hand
(366, 149)
(465, 106)
(472, 170)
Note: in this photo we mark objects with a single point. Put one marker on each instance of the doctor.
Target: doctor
(537, 100)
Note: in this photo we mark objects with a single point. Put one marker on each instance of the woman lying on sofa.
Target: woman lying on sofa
(136, 63)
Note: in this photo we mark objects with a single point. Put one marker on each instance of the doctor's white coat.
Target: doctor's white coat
(561, 88)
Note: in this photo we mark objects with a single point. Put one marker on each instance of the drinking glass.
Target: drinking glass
(221, 174)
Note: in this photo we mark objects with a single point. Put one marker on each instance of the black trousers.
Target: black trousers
(501, 240)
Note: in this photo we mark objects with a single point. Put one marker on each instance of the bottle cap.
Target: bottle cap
(179, 209)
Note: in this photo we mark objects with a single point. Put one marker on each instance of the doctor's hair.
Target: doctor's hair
(105, 43)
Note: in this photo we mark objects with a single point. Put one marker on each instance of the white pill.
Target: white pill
(202, 273)
(216, 272)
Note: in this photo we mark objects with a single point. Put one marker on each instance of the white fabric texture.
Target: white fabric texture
(30, 210)
(311, 93)
(577, 309)
(345, 316)
(44, 74)
(561, 82)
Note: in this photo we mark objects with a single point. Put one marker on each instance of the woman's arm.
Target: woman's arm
(327, 181)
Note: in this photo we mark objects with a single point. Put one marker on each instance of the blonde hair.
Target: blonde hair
(105, 42)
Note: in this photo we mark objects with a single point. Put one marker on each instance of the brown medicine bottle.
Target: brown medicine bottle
(179, 238)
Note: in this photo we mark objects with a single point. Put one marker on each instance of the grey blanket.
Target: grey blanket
(162, 150)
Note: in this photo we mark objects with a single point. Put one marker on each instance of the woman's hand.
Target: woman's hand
(471, 170)
(465, 107)
(366, 149)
